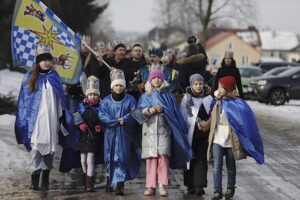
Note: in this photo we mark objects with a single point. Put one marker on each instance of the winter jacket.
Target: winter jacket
(93, 141)
(229, 71)
(156, 139)
(237, 149)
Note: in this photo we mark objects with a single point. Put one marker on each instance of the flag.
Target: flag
(33, 23)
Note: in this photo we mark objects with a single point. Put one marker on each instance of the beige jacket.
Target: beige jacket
(237, 149)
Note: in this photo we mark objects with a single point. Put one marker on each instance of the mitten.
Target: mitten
(98, 128)
(83, 127)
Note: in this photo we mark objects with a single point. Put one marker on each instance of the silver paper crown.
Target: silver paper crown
(116, 74)
(42, 48)
(86, 39)
(154, 67)
(116, 42)
(100, 44)
(92, 85)
(228, 54)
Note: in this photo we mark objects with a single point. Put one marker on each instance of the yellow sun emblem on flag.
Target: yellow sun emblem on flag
(48, 37)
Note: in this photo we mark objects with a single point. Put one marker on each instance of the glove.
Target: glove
(83, 127)
(98, 128)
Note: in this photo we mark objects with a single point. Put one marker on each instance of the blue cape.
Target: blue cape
(120, 152)
(181, 152)
(28, 107)
(242, 120)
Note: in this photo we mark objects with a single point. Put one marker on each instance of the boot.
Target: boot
(150, 191)
(162, 190)
(84, 181)
(120, 188)
(89, 183)
(229, 192)
(108, 188)
(190, 190)
(199, 191)
(35, 179)
(45, 180)
(217, 195)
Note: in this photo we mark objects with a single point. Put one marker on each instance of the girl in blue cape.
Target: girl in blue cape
(233, 134)
(41, 109)
(120, 153)
(164, 141)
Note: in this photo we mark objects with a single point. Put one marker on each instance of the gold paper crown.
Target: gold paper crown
(116, 74)
(228, 54)
(42, 48)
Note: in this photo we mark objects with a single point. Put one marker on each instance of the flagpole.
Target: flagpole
(95, 53)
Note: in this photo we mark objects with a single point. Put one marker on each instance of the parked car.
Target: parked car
(278, 89)
(266, 66)
(247, 72)
(276, 71)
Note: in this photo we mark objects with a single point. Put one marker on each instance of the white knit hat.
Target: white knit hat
(92, 85)
(117, 78)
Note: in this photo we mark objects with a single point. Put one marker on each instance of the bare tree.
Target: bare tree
(185, 14)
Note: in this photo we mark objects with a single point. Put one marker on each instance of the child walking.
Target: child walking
(233, 134)
(91, 138)
(195, 107)
(120, 153)
(41, 109)
(164, 142)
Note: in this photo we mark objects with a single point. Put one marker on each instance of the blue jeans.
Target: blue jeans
(218, 153)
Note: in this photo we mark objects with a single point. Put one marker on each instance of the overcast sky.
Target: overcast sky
(138, 15)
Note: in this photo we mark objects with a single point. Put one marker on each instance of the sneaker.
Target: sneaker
(229, 192)
(162, 190)
(217, 195)
(150, 191)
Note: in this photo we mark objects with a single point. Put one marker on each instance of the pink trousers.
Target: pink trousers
(157, 171)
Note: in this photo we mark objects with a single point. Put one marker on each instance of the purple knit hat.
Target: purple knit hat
(156, 73)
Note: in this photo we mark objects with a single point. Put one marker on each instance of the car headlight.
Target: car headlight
(262, 82)
(253, 82)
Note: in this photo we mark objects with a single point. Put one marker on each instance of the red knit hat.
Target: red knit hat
(228, 83)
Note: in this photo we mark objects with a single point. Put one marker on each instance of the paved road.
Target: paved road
(277, 179)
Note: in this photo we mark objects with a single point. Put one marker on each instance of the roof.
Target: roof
(273, 40)
(211, 42)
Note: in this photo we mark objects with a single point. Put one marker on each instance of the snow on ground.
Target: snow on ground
(290, 112)
(10, 82)
(13, 157)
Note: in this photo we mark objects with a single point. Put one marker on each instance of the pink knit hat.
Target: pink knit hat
(156, 73)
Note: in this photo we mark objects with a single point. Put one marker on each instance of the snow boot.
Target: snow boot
(108, 188)
(199, 191)
(217, 195)
(89, 183)
(229, 193)
(84, 181)
(120, 189)
(45, 179)
(35, 179)
(190, 190)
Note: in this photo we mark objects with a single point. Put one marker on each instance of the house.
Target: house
(284, 45)
(241, 43)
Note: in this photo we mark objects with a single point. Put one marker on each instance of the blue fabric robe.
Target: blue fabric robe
(120, 153)
(181, 152)
(28, 107)
(242, 120)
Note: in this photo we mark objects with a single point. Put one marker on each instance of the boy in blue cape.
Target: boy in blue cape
(233, 134)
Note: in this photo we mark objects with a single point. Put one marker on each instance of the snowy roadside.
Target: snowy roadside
(10, 82)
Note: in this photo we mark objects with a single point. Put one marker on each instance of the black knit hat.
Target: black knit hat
(44, 56)
(192, 40)
(156, 51)
(119, 45)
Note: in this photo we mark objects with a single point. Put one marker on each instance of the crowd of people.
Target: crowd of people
(190, 118)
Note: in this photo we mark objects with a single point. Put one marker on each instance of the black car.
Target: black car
(277, 89)
(266, 66)
(276, 71)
